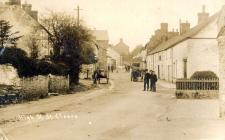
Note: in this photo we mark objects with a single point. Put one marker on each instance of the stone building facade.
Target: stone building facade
(26, 7)
(30, 30)
(123, 49)
(102, 39)
(221, 44)
(27, 26)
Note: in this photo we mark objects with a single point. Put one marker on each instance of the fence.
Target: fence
(191, 88)
(188, 84)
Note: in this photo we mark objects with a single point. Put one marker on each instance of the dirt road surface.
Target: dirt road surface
(119, 112)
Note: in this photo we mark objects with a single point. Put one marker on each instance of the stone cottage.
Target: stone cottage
(25, 21)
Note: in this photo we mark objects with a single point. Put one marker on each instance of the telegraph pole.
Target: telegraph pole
(78, 15)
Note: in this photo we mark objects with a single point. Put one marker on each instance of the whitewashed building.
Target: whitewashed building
(141, 58)
(194, 50)
(114, 59)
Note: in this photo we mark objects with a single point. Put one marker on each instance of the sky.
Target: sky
(133, 20)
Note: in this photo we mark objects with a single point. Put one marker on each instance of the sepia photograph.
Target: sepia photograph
(112, 69)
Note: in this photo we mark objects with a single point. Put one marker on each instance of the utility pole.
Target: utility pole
(78, 15)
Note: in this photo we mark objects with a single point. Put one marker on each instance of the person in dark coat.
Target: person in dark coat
(150, 78)
(154, 79)
(146, 80)
(95, 76)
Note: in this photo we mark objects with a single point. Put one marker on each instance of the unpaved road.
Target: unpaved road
(121, 112)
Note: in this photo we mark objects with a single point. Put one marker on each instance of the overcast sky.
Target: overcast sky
(132, 20)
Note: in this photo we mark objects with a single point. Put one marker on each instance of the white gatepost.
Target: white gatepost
(221, 44)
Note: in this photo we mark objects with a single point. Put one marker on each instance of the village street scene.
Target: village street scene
(112, 70)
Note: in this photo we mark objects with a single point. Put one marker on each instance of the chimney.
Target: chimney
(121, 40)
(203, 16)
(34, 14)
(184, 27)
(13, 2)
(28, 9)
(164, 27)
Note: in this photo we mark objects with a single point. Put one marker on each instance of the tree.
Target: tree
(70, 43)
(33, 46)
(6, 36)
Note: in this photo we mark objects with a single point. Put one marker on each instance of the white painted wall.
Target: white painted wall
(201, 52)
(113, 55)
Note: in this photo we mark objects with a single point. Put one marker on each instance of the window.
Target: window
(160, 58)
(185, 67)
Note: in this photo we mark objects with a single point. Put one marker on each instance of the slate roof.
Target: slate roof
(176, 40)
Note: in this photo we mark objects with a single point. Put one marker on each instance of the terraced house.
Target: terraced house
(192, 49)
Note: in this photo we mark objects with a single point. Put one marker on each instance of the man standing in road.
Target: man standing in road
(154, 79)
(146, 80)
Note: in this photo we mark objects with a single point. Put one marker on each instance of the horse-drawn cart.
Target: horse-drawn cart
(100, 74)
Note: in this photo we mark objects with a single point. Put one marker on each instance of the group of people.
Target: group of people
(150, 79)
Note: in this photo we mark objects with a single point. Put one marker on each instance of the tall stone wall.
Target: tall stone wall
(58, 84)
(35, 87)
(221, 43)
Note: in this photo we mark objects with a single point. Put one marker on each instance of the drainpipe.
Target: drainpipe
(172, 64)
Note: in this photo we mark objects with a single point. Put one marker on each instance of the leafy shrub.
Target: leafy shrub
(47, 67)
(204, 75)
(18, 58)
(27, 67)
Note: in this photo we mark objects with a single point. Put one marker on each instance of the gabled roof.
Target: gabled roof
(176, 40)
(121, 44)
(100, 35)
(22, 16)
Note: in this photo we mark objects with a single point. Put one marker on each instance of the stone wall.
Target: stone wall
(35, 87)
(221, 43)
(8, 75)
(58, 84)
(40, 86)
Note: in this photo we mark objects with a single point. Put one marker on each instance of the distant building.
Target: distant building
(123, 50)
(114, 59)
(140, 58)
(102, 39)
(195, 49)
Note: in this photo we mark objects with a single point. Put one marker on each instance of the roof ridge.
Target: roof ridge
(175, 40)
